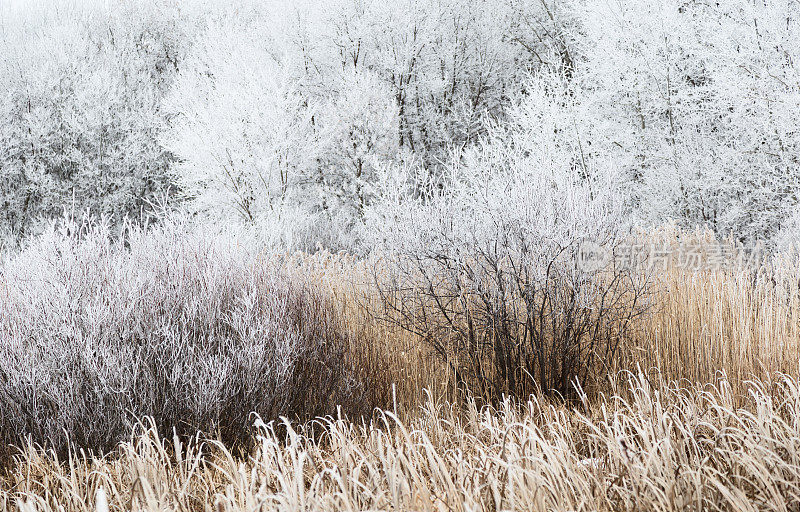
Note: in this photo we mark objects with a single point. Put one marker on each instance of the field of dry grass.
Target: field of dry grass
(708, 418)
(661, 447)
(740, 319)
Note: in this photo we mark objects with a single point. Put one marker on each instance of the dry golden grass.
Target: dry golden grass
(744, 322)
(413, 372)
(662, 447)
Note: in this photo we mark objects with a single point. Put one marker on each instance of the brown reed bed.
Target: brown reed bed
(663, 447)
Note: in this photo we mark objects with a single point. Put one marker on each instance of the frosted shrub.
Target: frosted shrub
(487, 272)
(194, 330)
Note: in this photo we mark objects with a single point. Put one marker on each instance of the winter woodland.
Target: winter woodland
(338, 123)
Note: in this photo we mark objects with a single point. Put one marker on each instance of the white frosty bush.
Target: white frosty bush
(487, 270)
(195, 330)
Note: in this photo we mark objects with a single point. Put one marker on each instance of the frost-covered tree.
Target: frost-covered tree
(697, 102)
(240, 126)
(80, 110)
(302, 106)
(359, 127)
(450, 64)
(287, 114)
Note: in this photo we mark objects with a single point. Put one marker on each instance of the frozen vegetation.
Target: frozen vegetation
(332, 255)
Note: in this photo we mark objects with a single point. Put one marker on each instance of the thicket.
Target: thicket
(81, 110)
(194, 329)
